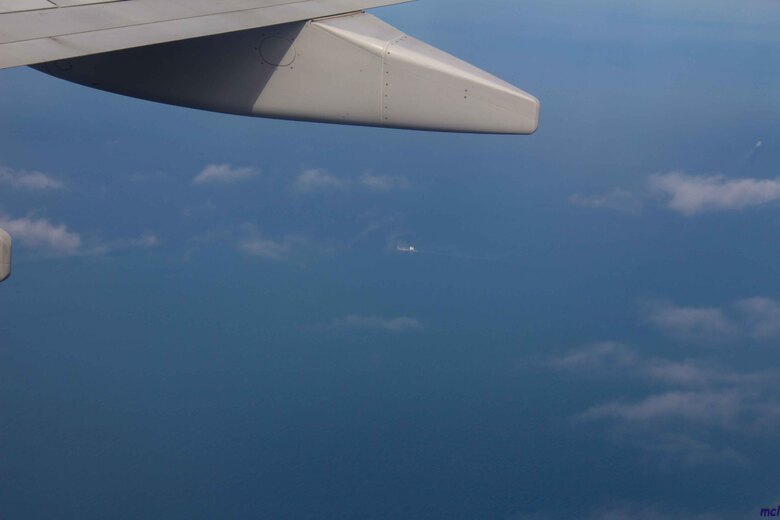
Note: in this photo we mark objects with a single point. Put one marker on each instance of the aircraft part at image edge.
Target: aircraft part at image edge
(351, 69)
(5, 255)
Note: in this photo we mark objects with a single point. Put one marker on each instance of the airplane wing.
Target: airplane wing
(36, 31)
(307, 60)
(310, 60)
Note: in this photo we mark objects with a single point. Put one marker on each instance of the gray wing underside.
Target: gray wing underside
(37, 31)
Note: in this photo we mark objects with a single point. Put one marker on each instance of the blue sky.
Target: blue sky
(208, 317)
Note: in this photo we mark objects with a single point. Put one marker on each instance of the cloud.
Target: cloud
(248, 239)
(762, 317)
(313, 180)
(696, 194)
(29, 180)
(620, 200)
(606, 355)
(684, 373)
(708, 407)
(355, 322)
(265, 248)
(224, 174)
(691, 323)
(316, 180)
(614, 358)
(756, 319)
(376, 182)
(691, 412)
(689, 195)
(41, 234)
(57, 239)
(148, 240)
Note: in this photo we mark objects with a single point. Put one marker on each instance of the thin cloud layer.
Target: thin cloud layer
(687, 403)
(224, 174)
(696, 194)
(688, 195)
(43, 235)
(691, 323)
(756, 319)
(29, 180)
(612, 357)
(290, 247)
(606, 355)
(356, 322)
(56, 239)
(762, 317)
(310, 181)
(148, 240)
(376, 182)
(265, 248)
(318, 180)
(707, 407)
(618, 199)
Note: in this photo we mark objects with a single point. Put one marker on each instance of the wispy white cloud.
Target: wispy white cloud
(692, 323)
(56, 239)
(761, 316)
(676, 422)
(618, 199)
(708, 407)
(39, 233)
(265, 248)
(251, 241)
(318, 180)
(607, 355)
(148, 240)
(29, 180)
(224, 174)
(695, 194)
(614, 358)
(756, 319)
(377, 182)
(356, 322)
(289, 247)
(313, 180)
(688, 195)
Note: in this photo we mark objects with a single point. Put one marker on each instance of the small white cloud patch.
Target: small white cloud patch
(692, 323)
(756, 319)
(356, 322)
(148, 240)
(597, 357)
(696, 194)
(265, 248)
(310, 181)
(224, 174)
(41, 234)
(29, 180)
(318, 180)
(620, 200)
(674, 423)
(376, 182)
(762, 317)
(709, 407)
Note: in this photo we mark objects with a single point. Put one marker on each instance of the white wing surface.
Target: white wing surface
(308, 60)
(36, 31)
